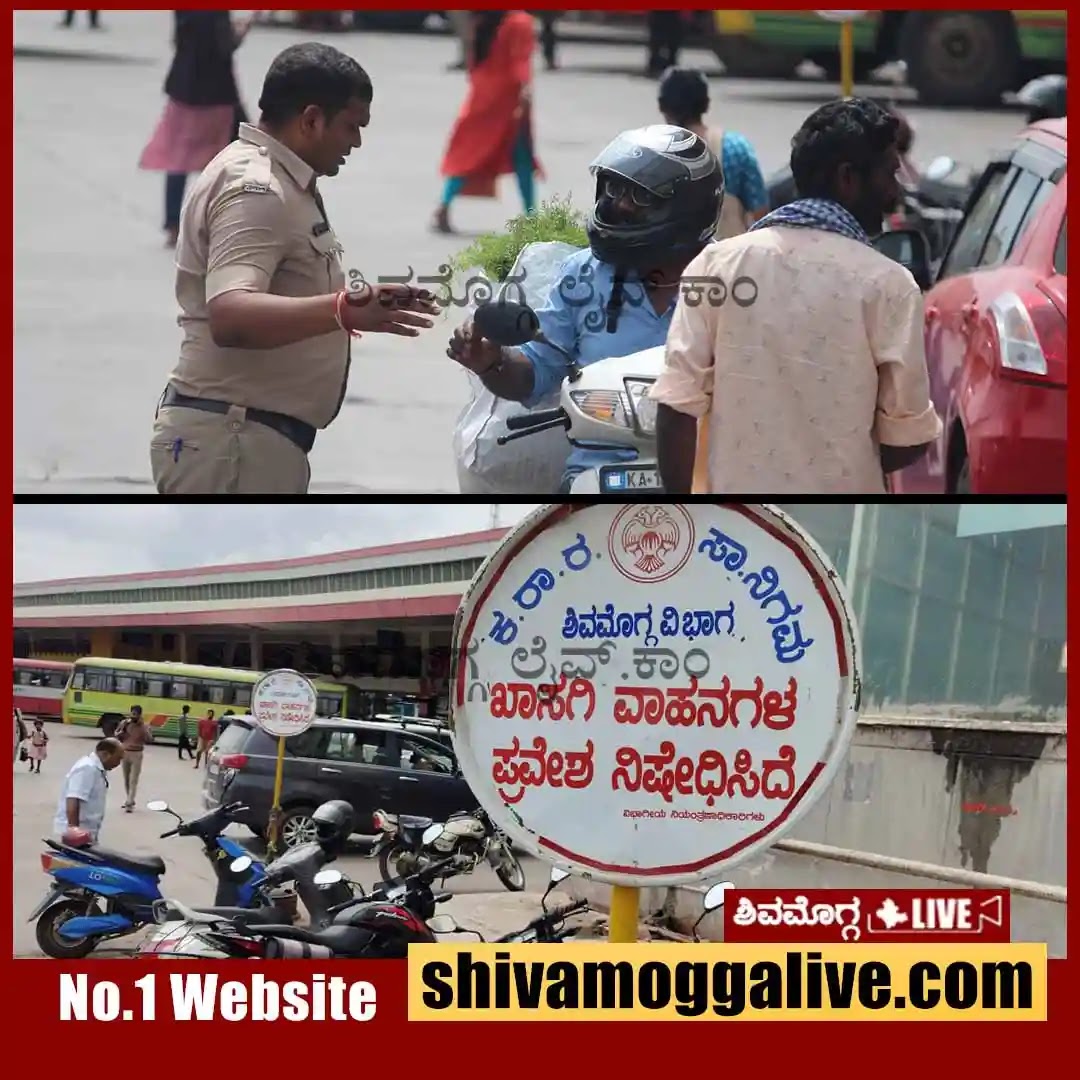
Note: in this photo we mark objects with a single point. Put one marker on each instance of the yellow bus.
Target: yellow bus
(101, 691)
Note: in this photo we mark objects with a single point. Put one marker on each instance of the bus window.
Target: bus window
(243, 697)
(216, 694)
(157, 688)
(96, 679)
(78, 680)
(129, 684)
(181, 691)
(328, 705)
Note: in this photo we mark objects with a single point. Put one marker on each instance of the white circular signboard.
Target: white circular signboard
(283, 703)
(650, 694)
(841, 16)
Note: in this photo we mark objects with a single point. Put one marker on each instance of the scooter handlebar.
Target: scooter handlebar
(534, 419)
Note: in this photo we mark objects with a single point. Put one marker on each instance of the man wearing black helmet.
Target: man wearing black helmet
(658, 196)
(809, 363)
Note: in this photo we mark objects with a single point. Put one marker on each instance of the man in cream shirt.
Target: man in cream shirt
(801, 344)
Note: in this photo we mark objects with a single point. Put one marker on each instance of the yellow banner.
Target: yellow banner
(599, 981)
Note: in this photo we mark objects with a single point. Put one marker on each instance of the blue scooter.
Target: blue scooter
(98, 894)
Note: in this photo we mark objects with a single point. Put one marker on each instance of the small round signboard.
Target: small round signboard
(652, 694)
(283, 703)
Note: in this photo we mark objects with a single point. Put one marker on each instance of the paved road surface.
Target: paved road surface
(483, 904)
(95, 332)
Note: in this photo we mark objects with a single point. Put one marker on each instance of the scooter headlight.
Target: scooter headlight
(604, 406)
(642, 406)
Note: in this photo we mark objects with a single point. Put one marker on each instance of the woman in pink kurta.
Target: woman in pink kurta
(202, 107)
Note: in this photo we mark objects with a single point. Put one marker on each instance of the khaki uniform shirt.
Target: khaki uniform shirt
(803, 384)
(253, 222)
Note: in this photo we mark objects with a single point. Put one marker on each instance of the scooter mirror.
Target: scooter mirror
(327, 877)
(506, 323)
(431, 834)
(558, 874)
(157, 804)
(443, 924)
(244, 862)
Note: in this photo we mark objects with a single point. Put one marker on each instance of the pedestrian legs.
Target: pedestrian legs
(174, 202)
(132, 766)
(548, 40)
(523, 170)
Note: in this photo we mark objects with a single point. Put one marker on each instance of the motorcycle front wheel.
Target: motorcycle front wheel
(52, 942)
(396, 863)
(510, 872)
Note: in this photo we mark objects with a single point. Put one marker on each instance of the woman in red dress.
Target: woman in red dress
(493, 132)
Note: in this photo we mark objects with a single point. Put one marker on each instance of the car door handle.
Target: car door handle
(336, 771)
(409, 779)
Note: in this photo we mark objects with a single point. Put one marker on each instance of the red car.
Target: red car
(996, 332)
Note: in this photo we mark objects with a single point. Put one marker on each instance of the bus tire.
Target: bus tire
(960, 58)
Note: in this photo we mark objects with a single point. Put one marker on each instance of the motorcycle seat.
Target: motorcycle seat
(270, 916)
(408, 821)
(338, 939)
(140, 864)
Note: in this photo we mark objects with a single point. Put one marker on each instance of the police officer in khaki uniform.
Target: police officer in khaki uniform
(265, 314)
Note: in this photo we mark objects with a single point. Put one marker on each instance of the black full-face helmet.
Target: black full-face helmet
(659, 190)
(1044, 98)
(334, 824)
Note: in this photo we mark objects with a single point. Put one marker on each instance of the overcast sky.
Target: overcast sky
(62, 541)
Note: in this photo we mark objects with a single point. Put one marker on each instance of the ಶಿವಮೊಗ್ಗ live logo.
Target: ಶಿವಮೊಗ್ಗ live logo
(865, 915)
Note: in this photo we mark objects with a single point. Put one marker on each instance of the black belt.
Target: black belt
(296, 431)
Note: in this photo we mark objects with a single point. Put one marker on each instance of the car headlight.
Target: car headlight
(642, 406)
(604, 406)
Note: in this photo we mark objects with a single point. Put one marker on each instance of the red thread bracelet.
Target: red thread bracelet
(337, 315)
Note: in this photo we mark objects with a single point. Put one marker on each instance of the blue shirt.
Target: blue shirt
(742, 173)
(574, 316)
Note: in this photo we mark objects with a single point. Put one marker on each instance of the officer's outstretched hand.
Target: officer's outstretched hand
(389, 309)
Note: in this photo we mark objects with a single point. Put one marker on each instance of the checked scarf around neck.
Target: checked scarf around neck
(815, 214)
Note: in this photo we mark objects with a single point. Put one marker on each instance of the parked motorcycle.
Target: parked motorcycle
(470, 838)
(379, 925)
(547, 929)
(603, 405)
(98, 893)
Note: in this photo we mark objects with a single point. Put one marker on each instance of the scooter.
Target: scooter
(99, 894)
(322, 894)
(470, 837)
(605, 405)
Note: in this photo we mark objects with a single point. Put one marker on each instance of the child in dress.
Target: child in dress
(39, 746)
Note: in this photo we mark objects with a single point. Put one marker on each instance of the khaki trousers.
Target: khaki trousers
(201, 453)
(132, 766)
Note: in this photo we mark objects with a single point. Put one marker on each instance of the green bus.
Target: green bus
(961, 58)
(101, 691)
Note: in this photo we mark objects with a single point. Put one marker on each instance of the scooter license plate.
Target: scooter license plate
(617, 479)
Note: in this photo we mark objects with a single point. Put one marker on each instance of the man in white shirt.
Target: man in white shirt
(799, 344)
(82, 799)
